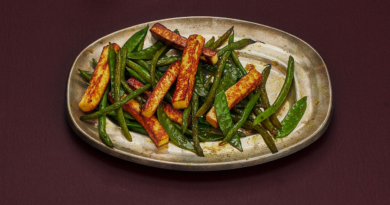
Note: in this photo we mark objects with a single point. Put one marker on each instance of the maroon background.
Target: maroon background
(42, 161)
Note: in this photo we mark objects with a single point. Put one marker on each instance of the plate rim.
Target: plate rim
(211, 166)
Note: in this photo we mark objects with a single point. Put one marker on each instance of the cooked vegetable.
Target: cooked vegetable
(217, 78)
(94, 63)
(160, 90)
(165, 61)
(282, 95)
(186, 79)
(174, 134)
(186, 118)
(247, 111)
(116, 105)
(173, 114)
(97, 84)
(136, 75)
(220, 40)
(292, 118)
(102, 121)
(236, 93)
(152, 126)
(179, 42)
(225, 120)
(236, 45)
(153, 66)
(119, 71)
(146, 54)
(111, 64)
(195, 137)
(264, 97)
(135, 40)
(85, 75)
(209, 42)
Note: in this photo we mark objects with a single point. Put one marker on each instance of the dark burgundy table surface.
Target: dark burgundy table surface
(44, 162)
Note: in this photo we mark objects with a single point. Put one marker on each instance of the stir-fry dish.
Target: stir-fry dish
(202, 94)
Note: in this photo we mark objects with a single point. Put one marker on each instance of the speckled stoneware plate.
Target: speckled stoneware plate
(311, 79)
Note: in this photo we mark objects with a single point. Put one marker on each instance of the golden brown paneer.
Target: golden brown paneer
(186, 79)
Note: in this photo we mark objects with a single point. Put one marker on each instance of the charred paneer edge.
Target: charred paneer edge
(186, 79)
(152, 126)
(162, 87)
(237, 92)
(98, 82)
(179, 42)
(172, 113)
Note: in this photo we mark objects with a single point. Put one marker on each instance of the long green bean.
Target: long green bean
(220, 40)
(209, 100)
(102, 120)
(195, 137)
(236, 45)
(282, 95)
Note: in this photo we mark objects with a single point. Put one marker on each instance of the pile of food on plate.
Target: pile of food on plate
(203, 94)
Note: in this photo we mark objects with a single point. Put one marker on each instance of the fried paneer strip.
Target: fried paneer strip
(237, 92)
(186, 79)
(98, 82)
(162, 87)
(173, 114)
(179, 42)
(152, 126)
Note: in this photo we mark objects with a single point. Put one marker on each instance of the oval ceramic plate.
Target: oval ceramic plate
(311, 79)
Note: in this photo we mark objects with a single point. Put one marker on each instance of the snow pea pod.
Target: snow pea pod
(220, 40)
(209, 42)
(102, 120)
(264, 96)
(247, 111)
(236, 45)
(116, 105)
(225, 120)
(217, 79)
(199, 86)
(165, 61)
(293, 117)
(174, 134)
(133, 42)
(136, 75)
(195, 136)
(282, 95)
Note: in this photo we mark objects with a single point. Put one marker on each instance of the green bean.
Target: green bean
(217, 79)
(269, 141)
(208, 81)
(225, 120)
(147, 53)
(125, 114)
(292, 118)
(236, 45)
(266, 123)
(231, 38)
(186, 117)
(136, 76)
(236, 110)
(209, 42)
(116, 105)
(102, 120)
(247, 111)
(85, 75)
(94, 63)
(282, 95)
(112, 65)
(165, 61)
(199, 72)
(195, 137)
(128, 90)
(133, 42)
(174, 134)
(121, 60)
(138, 130)
(220, 40)
(153, 65)
(264, 96)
